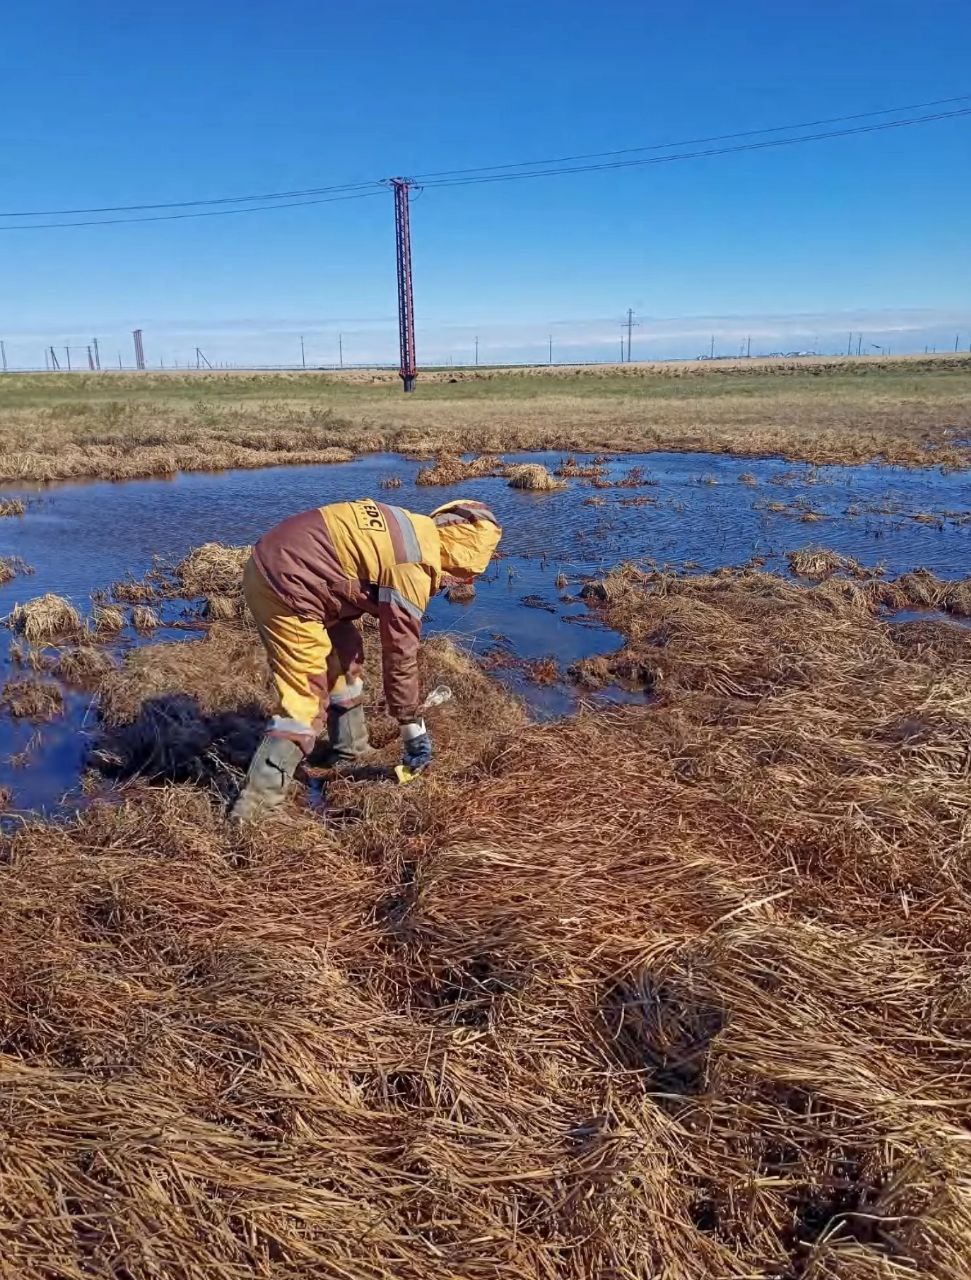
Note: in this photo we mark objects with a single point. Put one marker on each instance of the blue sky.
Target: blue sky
(114, 105)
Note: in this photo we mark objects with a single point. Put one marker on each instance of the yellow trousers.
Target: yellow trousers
(312, 665)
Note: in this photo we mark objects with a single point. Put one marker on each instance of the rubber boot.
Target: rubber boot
(269, 776)
(347, 739)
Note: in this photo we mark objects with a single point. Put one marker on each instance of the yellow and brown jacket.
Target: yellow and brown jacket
(337, 562)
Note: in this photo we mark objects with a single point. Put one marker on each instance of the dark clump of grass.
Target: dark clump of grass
(12, 507)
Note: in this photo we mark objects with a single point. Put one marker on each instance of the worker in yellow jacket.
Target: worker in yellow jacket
(307, 581)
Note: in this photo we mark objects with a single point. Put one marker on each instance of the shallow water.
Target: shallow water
(81, 537)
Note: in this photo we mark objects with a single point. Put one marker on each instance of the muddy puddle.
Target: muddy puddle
(692, 510)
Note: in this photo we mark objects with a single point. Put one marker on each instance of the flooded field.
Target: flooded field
(683, 510)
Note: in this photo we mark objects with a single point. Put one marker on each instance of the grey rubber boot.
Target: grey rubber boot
(269, 776)
(347, 739)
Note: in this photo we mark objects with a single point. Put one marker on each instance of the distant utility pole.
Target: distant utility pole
(477, 350)
(630, 325)
(67, 352)
(97, 354)
(340, 350)
(54, 363)
(849, 344)
(3, 355)
(201, 359)
(139, 349)
(748, 347)
(90, 359)
(551, 348)
(303, 357)
(120, 365)
(622, 346)
(957, 338)
(859, 344)
(711, 354)
(408, 367)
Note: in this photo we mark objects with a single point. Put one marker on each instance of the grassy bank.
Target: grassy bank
(678, 989)
(118, 425)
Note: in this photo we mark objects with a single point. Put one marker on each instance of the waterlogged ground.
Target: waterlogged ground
(698, 510)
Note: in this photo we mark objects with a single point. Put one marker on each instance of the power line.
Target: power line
(692, 142)
(765, 144)
(175, 217)
(310, 192)
(361, 191)
(188, 204)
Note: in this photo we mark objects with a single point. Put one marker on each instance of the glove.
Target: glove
(416, 745)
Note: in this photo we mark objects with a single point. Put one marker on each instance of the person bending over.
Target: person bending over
(307, 582)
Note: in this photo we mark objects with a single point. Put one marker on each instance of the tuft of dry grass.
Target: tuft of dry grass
(10, 566)
(213, 569)
(31, 699)
(133, 591)
(819, 563)
(144, 619)
(451, 469)
(48, 617)
(12, 507)
(748, 478)
(107, 620)
(570, 469)
(84, 665)
(391, 482)
(221, 608)
(533, 476)
(457, 592)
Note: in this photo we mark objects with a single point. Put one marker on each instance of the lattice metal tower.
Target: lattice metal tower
(408, 370)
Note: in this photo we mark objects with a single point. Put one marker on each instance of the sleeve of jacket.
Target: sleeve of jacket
(403, 594)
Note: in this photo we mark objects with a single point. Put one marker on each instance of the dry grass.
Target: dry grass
(391, 482)
(534, 476)
(48, 617)
(192, 710)
(819, 563)
(84, 665)
(214, 572)
(122, 426)
(12, 507)
(570, 469)
(11, 566)
(677, 990)
(144, 619)
(29, 699)
(132, 591)
(459, 592)
(107, 620)
(450, 469)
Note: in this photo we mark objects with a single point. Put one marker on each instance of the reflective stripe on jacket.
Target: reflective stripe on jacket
(340, 561)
